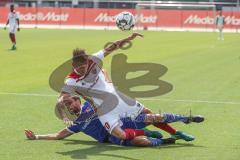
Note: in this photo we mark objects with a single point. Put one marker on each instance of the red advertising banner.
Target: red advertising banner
(106, 17)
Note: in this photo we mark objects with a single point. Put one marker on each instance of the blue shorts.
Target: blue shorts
(138, 123)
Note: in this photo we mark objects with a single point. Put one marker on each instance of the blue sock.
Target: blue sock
(155, 141)
(170, 117)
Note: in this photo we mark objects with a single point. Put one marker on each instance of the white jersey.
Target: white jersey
(110, 103)
(220, 20)
(12, 17)
(94, 80)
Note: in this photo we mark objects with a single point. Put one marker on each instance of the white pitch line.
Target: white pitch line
(144, 99)
(190, 100)
(29, 94)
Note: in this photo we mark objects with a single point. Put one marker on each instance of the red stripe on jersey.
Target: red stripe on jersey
(75, 75)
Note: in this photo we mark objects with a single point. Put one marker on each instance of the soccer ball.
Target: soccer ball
(125, 21)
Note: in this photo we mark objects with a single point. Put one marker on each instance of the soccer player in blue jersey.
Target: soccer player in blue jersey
(88, 123)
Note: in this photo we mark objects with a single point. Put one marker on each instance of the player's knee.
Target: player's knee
(158, 118)
(119, 133)
(122, 136)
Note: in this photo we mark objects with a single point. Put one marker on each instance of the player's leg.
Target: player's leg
(171, 117)
(12, 31)
(163, 126)
(142, 141)
(111, 122)
(138, 123)
(131, 133)
(161, 120)
(221, 33)
(127, 133)
(176, 134)
(220, 29)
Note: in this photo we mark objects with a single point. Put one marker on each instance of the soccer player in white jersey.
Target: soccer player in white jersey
(220, 21)
(13, 21)
(88, 80)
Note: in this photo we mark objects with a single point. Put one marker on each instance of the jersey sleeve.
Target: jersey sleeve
(17, 16)
(98, 57)
(99, 54)
(74, 128)
(69, 86)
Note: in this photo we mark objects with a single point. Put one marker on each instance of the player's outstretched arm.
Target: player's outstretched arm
(18, 22)
(6, 24)
(118, 44)
(54, 136)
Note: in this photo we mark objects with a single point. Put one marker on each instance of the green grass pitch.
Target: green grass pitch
(204, 72)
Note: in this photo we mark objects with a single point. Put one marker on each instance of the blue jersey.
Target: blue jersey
(89, 124)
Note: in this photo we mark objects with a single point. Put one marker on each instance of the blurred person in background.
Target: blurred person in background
(13, 21)
(220, 21)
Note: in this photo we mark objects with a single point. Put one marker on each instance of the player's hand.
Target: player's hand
(135, 34)
(18, 29)
(67, 121)
(29, 134)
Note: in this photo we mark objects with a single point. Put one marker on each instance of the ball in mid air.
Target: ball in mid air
(125, 21)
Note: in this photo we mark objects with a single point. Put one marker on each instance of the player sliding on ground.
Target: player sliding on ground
(94, 128)
(88, 80)
(164, 126)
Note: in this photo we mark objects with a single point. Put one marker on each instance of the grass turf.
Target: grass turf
(203, 71)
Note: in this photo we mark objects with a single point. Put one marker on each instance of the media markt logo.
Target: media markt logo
(195, 19)
(105, 17)
(40, 16)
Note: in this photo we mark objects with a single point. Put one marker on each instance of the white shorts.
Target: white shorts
(13, 28)
(112, 119)
(220, 26)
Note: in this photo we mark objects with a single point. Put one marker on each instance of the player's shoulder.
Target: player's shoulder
(99, 54)
(12, 13)
(73, 75)
(86, 107)
(71, 78)
(97, 57)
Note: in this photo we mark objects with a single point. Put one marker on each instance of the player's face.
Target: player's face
(75, 106)
(11, 8)
(80, 68)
